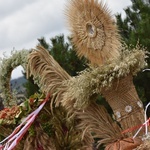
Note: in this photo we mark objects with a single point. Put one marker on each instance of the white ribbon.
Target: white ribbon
(145, 123)
(146, 70)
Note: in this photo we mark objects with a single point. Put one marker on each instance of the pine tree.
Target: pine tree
(135, 28)
(63, 52)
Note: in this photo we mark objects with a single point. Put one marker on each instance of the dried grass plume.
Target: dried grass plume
(95, 119)
(48, 73)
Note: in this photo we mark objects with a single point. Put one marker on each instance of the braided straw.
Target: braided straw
(126, 105)
(93, 31)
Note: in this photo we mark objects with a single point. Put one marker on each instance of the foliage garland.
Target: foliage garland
(7, 65)
(91, 81)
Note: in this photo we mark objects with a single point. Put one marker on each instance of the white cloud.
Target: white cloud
(8, 7)
(118, 6)
(17, 72)
(31, 22)
(23, 22)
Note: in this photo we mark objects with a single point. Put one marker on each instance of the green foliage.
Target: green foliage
(135, 28)
(31, 87)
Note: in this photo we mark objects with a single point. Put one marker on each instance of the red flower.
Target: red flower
(31, 100)
(3, 115)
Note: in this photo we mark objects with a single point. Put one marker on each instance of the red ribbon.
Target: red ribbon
(136, 127)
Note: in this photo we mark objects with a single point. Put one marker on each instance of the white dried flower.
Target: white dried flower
(128, 108)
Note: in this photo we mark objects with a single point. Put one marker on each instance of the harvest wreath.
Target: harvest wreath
(67, 116)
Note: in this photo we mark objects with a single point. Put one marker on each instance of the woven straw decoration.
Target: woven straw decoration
(127, 107)
(93, 31)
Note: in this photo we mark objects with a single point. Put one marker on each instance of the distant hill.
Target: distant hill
(17, 84)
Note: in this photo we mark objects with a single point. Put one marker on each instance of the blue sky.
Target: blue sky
(23, 22)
